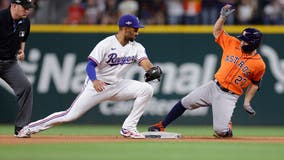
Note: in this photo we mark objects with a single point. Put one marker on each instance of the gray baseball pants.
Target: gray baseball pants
(12, 74)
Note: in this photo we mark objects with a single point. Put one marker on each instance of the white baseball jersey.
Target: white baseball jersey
(113, 59)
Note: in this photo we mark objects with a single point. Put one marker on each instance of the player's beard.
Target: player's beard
(247, 48)
(130, 36)
(131, 39)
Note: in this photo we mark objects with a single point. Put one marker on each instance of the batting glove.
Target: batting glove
(226, 11)
(250, 110)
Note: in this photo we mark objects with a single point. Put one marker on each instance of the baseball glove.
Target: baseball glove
(153, 73)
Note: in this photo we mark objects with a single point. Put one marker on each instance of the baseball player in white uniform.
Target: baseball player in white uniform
(107, 63)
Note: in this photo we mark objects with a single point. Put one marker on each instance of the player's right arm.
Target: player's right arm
(96, 56)
(218, 26)
(91, 72)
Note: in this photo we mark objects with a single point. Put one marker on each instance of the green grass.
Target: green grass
(139, 150)
(142, 151)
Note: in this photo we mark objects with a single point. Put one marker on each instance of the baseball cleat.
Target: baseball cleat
(131, 134)
(24, 133)
(229, 135)
(158, 127)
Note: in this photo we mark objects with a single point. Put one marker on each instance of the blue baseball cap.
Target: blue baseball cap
(129, 20)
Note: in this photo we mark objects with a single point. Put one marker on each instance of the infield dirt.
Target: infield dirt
(39, 139)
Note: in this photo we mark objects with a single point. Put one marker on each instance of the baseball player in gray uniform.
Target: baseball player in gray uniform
(241, 68)
(107, 63)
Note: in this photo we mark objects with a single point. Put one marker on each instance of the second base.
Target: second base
(166, 135)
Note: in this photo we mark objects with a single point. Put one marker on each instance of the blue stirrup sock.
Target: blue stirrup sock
(176, 112)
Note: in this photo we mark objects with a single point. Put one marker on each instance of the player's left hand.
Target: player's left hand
(21, 55)
(249, 110)
(153, 73)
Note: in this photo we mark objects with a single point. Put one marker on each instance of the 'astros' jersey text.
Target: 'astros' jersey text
(237, 69)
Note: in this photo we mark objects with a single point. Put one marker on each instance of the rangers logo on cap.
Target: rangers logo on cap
(129, 20)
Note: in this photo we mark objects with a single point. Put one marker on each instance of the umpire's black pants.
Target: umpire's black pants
(12, 74)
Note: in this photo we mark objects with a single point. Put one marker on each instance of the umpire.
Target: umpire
(14, 31)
